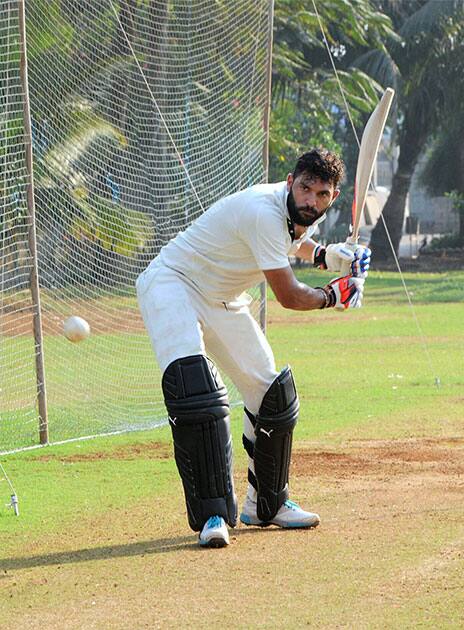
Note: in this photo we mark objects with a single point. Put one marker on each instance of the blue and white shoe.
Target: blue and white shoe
(214, 533)
(290, 515)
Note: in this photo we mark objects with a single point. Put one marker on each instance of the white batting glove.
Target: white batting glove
(336, 254)
(332, 257)
(361, 262)
(342, 293)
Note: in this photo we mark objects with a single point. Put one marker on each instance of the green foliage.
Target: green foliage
(425, 67)
(445, 241)
(308, 107)
(116, 229)
(293, 131)
(443, 168)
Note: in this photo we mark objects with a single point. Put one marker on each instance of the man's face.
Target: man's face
(309, 198)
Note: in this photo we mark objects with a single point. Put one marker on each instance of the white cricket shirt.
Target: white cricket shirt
(225, 251)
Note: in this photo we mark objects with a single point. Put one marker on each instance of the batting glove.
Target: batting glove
(361, 262)
(332, 257)
(342, 293)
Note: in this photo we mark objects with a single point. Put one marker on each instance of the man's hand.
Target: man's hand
(332, 257)
(345, 292)
(361, 262)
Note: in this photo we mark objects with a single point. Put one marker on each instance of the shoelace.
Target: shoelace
(291, 504)
(214, 521)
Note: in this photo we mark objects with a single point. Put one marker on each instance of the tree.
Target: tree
(424, 68)
(308, 108)
(75, 140)
(443, 173)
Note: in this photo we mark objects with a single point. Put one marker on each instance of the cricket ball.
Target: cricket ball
(76, 328)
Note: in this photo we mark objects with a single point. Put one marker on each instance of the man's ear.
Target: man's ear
(289, 180)
(335, 194)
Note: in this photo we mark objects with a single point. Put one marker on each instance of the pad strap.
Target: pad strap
(248, 446)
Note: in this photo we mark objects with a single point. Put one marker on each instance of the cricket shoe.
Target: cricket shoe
(214, 533)
(290, 515)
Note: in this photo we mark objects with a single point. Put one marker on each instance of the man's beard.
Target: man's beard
(296, 215)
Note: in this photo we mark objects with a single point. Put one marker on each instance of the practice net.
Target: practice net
(144, 112)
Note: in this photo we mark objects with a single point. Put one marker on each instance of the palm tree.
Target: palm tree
(424, 68)
(443, 173)
(75, 141)
(308, 108)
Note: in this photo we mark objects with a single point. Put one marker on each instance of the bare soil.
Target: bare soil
(388, 554)
(16, 318)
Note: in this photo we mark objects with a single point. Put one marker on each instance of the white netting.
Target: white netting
(18, 415)
(113, 87)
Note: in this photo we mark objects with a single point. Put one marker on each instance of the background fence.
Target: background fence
(143, 113)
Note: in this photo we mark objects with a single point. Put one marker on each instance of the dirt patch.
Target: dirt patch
(358, 458)
(388, 554)
(381, 458)
(121, 320)
(150, 450)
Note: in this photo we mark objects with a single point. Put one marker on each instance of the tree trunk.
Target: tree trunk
(411, 146)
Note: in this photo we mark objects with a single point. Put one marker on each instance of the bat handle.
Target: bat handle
(345, 269)
(350, 243)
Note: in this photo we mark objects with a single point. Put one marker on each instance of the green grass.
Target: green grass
(352, 369)
(108, 512)
(386, 286)
(377, 360)
(53, 482)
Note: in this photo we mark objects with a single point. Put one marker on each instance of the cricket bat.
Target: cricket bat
(370, 143)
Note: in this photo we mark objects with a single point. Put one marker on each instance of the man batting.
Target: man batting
(196, 312)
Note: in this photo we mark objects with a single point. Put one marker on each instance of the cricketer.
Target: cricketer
(194, 304)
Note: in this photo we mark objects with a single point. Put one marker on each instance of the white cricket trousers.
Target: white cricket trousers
(182, 322)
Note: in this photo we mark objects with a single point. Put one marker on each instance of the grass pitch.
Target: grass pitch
(102, 540)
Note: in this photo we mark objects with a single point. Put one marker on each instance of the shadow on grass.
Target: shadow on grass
(146, 547)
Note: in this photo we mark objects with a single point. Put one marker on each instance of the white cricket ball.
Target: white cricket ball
(76, 328)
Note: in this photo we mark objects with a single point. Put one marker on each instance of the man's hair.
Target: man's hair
(323, 164)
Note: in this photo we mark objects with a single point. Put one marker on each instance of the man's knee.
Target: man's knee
(198, 408)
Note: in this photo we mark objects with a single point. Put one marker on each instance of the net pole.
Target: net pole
(32, 236)
(266, 119)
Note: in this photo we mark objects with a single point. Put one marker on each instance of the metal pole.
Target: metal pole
(32, 236)
(266, 118)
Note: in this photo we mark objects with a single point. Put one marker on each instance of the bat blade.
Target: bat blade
(370, 143)
(368, 150)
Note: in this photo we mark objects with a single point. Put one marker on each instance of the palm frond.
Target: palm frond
(381, 67)
(116, 228)
(61, 158)
(431, 17)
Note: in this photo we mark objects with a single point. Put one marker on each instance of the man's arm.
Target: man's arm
(306, 250)
(342, 292)
(332, 256)
(293, 294)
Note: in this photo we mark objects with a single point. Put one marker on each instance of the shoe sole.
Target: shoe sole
(246, 520)
(214, 543)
